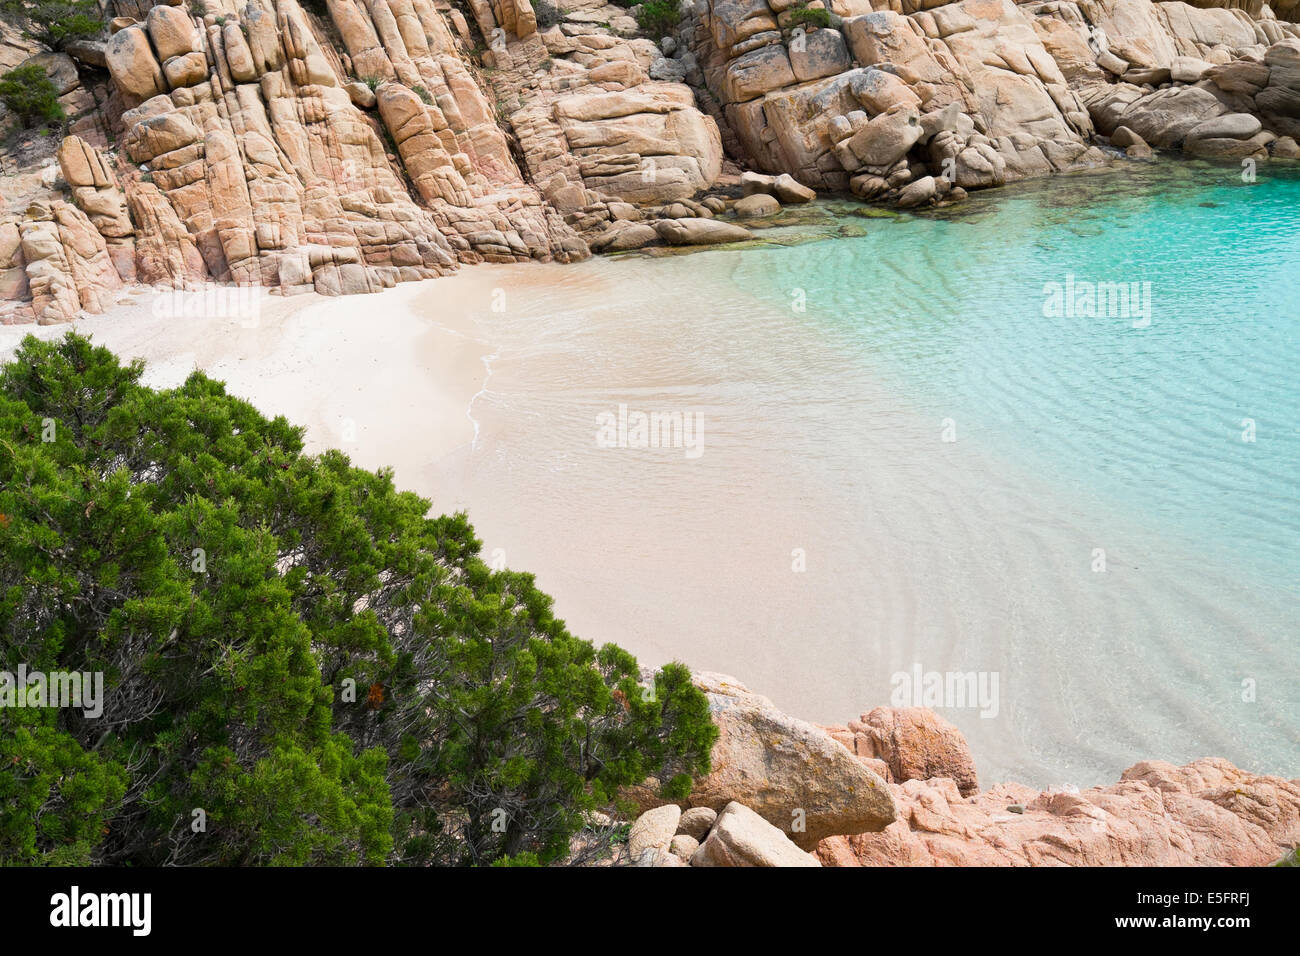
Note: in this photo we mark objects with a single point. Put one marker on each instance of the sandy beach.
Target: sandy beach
(324, 363)
(822, 539)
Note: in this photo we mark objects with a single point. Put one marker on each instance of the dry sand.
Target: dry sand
(361, 373)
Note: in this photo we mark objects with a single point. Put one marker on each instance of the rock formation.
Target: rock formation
(792, 773)
(930, 810)
(1207, 813)
(353, 144)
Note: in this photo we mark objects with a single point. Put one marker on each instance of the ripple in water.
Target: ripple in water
(1079, 437)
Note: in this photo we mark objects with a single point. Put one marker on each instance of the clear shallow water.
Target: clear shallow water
(823, 444)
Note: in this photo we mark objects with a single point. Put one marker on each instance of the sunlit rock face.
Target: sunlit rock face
(354, 145)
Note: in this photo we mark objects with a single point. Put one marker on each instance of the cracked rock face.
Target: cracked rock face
(382, 142)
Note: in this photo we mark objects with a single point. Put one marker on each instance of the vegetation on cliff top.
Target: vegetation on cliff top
(300, 666)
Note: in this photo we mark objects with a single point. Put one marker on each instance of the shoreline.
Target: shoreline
(417, 388)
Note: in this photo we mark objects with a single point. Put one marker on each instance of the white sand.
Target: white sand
(362, 373)
(947, 556)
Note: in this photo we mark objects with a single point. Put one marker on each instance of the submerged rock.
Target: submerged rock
(698, 232)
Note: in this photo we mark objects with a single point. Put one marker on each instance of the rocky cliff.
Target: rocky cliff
(348, 145)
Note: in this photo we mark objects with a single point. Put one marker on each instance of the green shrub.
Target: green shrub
(548, 14)
(803, 15)
(289, 644)
(372, 81)
(658, 17)
(56, 23)
(1290, 859)
(198, 8)
(423, 94)
(30, 93)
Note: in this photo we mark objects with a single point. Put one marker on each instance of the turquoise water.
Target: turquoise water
(1098, 539)
(1153, 419)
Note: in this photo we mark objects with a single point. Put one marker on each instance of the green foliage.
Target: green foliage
(30, 93)
(289, 644)
(523, 859)
(1291, 859)
(198, 8)
(658, 17)
(803, 15)
(423, 94)
(56, 23)
(372, 81)
(547, 13)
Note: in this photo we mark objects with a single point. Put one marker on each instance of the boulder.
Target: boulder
(1227, 149)
(59, 67)
(696, 822)
(918, 193)
(653, 830)
(741, 837)
(89, 52)
(817, 54)
(1162, 119)
(362, 96)
(757, 72)
(1284, 147)
(172, 32)
(132, 65)
(887, 138)
(188, 70)
(623, 235)
(880, 91)
(1240, 76)
(1112, 64)
(699, 232)
(1124, 137)
(790, 190)
(757, 206)
(752, 182)
(788, 771)
(1228, 126)
(683, 847)
(1188, 69)
(915, 743)
(239, 57)
(668, 70)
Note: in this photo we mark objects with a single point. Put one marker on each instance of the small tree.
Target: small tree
(30, 93)
(57, 23)
(658, 17)
(803, 15)
(288, 644)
